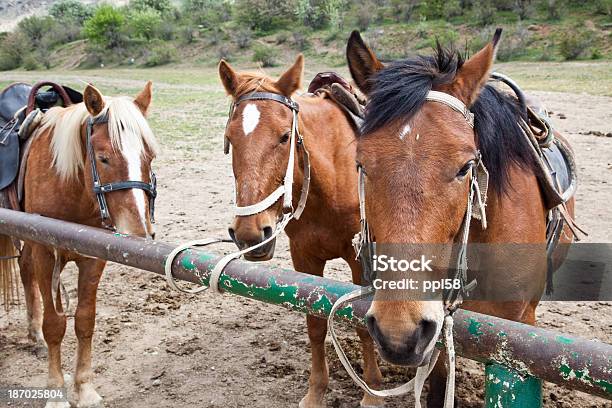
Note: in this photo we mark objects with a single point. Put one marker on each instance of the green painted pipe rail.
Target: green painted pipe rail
(523, 351)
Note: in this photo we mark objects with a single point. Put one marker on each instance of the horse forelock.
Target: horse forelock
(127, 129)
(252, 82)
(399, 92)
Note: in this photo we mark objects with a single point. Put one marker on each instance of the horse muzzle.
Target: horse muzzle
(243, 241)
(401, 347)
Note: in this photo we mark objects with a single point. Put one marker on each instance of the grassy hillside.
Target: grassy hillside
(200, 32)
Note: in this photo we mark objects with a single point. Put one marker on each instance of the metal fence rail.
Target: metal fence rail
(517, 354)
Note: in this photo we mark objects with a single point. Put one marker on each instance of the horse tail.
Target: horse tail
(9, 270)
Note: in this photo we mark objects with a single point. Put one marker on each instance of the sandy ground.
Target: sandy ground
(157, 348)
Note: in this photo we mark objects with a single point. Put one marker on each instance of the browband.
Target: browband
(452, 102)
(268, 96)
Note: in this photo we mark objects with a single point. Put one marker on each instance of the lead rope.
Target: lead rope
(215, 274)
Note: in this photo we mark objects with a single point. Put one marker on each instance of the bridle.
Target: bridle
(285, 190)
(365, 248)
(101, 189)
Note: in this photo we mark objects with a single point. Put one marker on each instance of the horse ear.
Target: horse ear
(143, 100)
(291, 80)
(94, 101)
(474, 73)
(229, 77)
(362, 62)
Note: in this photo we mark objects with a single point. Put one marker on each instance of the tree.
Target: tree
(70, 11)
(105, 27)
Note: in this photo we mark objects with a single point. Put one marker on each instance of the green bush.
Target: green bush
(188, 34)
(145, 23)
(12, 49)
(574, 43)
(35, 28)
(70, 11)
(515, 43)
(403, 10)
(265, 54)
(264, 15)
(309, 14)
(523, 9)
(243, 38)
(364, 16)
(161, 55)
(105, 27)
(300, 39)
(484, 12)
(30, 63)
(603, 7)
(207, 13)
(441, 9)
(162, 6)
(554, 8)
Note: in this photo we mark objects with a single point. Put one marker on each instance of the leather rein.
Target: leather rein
(365, 248)
(100, 189)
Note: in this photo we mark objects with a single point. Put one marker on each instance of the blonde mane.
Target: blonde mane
(127, 128)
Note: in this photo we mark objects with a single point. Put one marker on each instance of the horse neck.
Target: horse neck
(517, 215)
(69, 199)
(329, 139)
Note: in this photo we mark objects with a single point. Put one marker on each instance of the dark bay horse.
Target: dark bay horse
(260, 132)
(59, 183)
(418, 151)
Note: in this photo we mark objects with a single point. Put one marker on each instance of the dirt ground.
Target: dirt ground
(157, 348)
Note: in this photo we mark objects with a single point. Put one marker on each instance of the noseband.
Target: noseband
(100, 189)
(365, 248)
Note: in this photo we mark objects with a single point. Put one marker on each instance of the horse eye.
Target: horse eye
(284, 138)
(464, 170)
(103, 159)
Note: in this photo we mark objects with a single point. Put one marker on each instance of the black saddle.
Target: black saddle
(16, 102)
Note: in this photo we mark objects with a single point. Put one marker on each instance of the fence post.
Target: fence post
(506, 388)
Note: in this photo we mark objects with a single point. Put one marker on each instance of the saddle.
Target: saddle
(21, 109)
(338, 89)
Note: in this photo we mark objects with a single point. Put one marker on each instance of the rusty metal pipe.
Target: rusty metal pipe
(569, 361)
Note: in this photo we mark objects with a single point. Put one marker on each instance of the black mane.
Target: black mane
(399, 91)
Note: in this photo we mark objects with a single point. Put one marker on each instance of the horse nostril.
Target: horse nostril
(267, 232)
(232, 234)
(371, 324)
(428, 329)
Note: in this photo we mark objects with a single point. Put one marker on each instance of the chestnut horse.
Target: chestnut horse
(59, 183)
(419, 150)
(260, 132)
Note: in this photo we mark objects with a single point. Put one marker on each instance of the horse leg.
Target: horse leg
(90, 271)
(437, 384)
(317, 331)
(371, 372)
(54, 321)
(32, 298)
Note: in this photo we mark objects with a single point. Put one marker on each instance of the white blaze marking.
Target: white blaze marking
(132, 157)
(250, 118)
(405, 131)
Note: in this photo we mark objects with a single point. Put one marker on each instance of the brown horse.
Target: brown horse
(59, 183)
(260, 135)
(418, 156)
